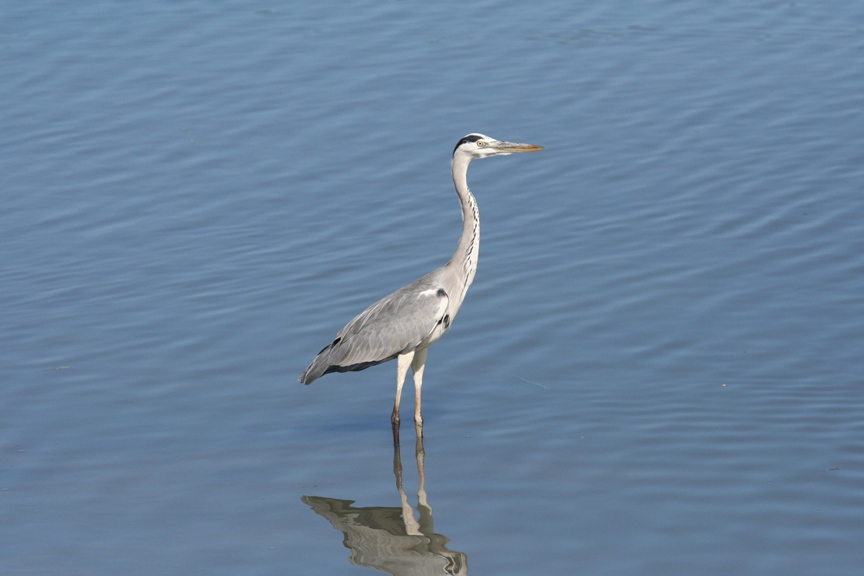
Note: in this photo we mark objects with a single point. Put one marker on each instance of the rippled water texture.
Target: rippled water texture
(657, 370)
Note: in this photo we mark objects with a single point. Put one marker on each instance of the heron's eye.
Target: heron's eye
(480, 143)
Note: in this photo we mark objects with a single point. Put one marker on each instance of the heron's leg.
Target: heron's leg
(402, 364)
(417, 365)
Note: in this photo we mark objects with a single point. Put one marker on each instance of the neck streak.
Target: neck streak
(467, 251)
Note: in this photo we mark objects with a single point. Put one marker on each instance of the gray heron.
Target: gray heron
(404, 324)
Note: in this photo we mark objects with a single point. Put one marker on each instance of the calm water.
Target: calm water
(658, 370)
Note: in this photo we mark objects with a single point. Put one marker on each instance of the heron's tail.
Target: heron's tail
(319, 365)
(312, 373)
(331, 359)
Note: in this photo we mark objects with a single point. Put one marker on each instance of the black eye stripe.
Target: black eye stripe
(469, 138)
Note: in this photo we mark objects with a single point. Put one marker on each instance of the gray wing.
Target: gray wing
(395, 324)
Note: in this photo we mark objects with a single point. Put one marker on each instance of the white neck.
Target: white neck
(467, 251)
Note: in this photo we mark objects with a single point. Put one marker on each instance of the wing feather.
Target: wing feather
(395, 324)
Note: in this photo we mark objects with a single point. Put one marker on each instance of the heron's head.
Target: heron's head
(481, 146)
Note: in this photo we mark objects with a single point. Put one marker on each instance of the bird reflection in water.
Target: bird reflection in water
(390, 539)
